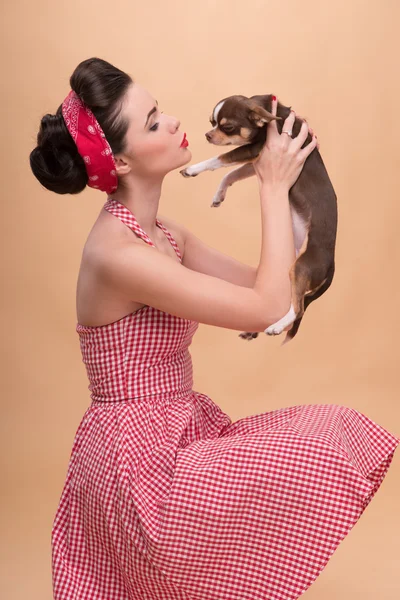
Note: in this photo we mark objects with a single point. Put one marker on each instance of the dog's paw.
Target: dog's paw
(277, 328)
(218, 198)
(274, 329)
(248, 335)
(188, 172)
(283, 324)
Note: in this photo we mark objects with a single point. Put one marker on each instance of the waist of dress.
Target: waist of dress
(137, 380)
(145, 397)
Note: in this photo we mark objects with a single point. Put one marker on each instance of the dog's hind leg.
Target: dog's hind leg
(305, 276)
(242, 172)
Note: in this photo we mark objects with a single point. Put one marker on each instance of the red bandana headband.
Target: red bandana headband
(91, 144)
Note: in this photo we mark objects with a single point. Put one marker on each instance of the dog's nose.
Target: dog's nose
(208, 136)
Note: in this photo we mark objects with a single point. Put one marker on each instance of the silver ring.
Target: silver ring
(288, 132)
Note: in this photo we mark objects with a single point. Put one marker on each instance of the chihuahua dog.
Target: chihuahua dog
(241, 121)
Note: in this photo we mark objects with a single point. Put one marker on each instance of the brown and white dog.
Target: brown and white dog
(241, 121)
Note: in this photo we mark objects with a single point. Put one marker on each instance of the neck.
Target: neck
(141, 196)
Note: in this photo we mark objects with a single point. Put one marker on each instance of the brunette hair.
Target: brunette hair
(55, 161)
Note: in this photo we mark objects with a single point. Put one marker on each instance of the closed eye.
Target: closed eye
(155, 126)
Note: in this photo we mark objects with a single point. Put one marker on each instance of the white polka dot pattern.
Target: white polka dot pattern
(91, 143)
(167, 499)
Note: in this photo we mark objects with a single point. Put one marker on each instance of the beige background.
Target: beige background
(336, 63)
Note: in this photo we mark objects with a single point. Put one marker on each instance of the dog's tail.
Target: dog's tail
(293, 330)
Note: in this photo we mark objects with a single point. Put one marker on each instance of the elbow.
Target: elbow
(278, 308)
(274, 317)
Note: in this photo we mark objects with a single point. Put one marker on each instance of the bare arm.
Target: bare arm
(151, 277)
(277, 247)
(202, 258)
(144, 274)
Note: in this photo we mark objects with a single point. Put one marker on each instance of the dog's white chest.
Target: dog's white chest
(299, 229)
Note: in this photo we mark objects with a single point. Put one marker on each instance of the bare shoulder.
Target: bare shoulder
(108, 235)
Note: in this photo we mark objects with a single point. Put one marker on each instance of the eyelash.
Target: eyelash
(155, 125)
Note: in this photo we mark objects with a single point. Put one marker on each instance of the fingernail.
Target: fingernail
(274, 98)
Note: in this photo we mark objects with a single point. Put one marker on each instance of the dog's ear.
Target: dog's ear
(260, 115)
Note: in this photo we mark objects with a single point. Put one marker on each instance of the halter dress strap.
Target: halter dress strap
(128, 218)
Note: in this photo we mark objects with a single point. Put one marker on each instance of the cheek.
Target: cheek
(156, 145)
(245, 133)
(237, 140)
(141, 146)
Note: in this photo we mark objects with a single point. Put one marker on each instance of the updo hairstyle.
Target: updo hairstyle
(55, 161)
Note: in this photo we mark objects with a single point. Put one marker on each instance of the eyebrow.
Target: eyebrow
(150, 113)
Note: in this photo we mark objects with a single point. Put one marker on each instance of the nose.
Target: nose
(208, 136)
(174, 124)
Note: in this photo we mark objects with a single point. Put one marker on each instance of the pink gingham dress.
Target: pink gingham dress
(167, 499)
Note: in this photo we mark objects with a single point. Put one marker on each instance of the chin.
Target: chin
(187, 157)
(184, 161)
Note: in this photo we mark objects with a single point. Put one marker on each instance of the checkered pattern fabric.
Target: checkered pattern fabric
(167, 499)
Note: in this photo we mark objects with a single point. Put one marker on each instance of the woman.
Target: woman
(165, 497)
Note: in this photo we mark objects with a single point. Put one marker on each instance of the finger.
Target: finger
(289, 122)
(303, 154)
(299, 140)
(311, 132)
(274, 109)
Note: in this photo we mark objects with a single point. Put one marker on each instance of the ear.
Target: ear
(260, 115)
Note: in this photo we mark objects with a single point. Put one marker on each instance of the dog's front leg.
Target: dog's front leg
(238, 156)
(207, 165)
(242, 172)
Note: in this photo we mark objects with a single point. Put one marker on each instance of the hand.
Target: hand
(281, 159)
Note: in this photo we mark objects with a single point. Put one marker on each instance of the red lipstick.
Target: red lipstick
(184, 142)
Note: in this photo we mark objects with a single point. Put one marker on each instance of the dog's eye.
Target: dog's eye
(229, 128)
